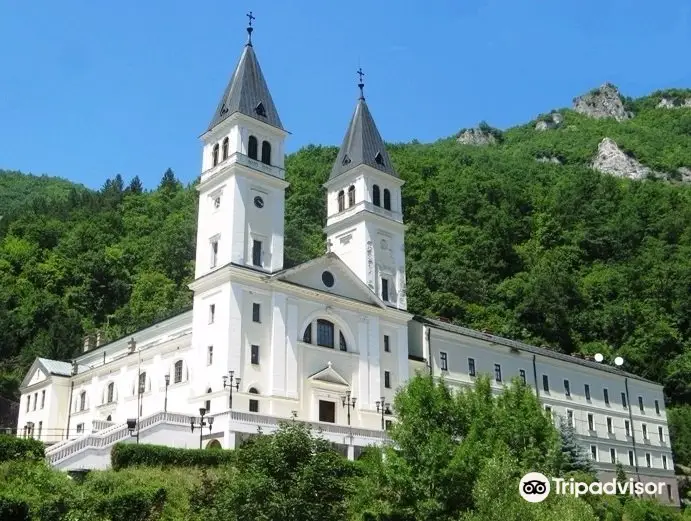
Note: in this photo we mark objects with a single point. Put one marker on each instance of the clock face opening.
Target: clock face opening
(258, 202)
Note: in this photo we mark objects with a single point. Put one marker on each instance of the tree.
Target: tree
(573, 456)
(169, 183)
(135, 186)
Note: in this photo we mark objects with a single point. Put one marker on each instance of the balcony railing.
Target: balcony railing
(244, 160)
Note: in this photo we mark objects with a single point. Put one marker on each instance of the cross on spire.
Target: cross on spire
(361, 84)
(250, 28)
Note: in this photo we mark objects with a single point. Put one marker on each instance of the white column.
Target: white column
(291, 366)
(363, 397)
(374, 365)
(235, 337)
(278, 345)
(402, 352)
(229, 439)
(238, 241)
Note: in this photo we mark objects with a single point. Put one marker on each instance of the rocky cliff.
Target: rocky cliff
(603, 102)
(610, 159)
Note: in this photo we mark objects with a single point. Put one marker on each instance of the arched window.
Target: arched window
(82, 401)
(111, 393)
(142, 383)
(266, 152)
(387, 199)
(225, 149)
(351, 196)
(254, 403)
(177, 373)
(376, 200)
(325, 333)
(215, 155)
(307, 335)
(342, 341)
(341, 201)
(207, 404)
(252, 146)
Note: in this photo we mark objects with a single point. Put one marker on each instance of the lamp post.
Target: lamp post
(231, 381)
(30, 429)
(133, 424)
(165, 401)
(348, 402)
(383, 408)
(201, 424)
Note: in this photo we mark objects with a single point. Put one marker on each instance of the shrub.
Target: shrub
(13, 448)
(13, 508)
(126, 455)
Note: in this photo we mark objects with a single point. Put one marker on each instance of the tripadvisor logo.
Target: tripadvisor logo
(534, 487)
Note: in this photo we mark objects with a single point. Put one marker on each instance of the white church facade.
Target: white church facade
(326, 342)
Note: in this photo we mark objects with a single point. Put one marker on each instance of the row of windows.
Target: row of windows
(257, 253)
(253, 403)
(610, 422)
(252, 151)
(376, 198)
(326, 334)
(256, 312)
(545, 383)
(43, 401)
(613, 458)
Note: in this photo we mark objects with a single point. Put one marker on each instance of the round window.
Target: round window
(327, 279)
(259, 202)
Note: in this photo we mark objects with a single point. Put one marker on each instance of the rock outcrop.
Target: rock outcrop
(545, 159)
(669, 103)
(551, 121)
(610, 159)
(603, 102)
(476, 137)
(684, 174)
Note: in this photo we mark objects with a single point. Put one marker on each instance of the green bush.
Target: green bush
(13, 448)
(126, 455)
(13, 508)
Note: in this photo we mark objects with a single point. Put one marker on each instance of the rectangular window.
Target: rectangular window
(521, 375)
(40, 428)
(471, 367)
(623, 401)
(593, 452)
(631, 458)
(545, 383)
(80, 428)
(591, 422)
(387, 379)
(212, 313)
(28, 403)
(254, 354)
(497, 372)
(669, 492)
(569, 417)
(645, 431)
(214, 253)
(587, 392)
(567, 389)
(254, 405)
(387, 347)
(627, 427)
(256, 317)
(640, 404)
(548, 410)
(443, 361)
(385, 290)
(209, 355)
(605, 395)
(327, 411)
(257, 253)
(657, 407)
(388, 424)
(648, 460)
(664, 458)
(613, 455)
(43, 399)
(661, 434)
(609, 426)
(35, 400)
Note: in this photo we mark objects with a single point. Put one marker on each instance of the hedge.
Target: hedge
(126, 455)
(14, 509)
(13, 448)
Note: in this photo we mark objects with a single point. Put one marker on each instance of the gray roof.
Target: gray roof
(528, 348)
(58, 368)
(245, 91)
(361, 145)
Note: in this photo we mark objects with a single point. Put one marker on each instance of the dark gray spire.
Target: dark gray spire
(247, 92)
(362, 144)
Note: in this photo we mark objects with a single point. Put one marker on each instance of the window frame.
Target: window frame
(178, 368)
(256, 312)
(376, 195)
(497, 373)
(522, 376)
(387, 199)
(387, 344)
(472, 370)
(351, 196)
(328, 328)
(387, 379)
(545, 383)
(253, 147)
(254, 354)
(443, 361)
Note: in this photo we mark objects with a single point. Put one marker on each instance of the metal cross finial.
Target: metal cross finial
(361, 84)
(250, 28)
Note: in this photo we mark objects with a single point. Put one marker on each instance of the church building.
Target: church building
(326, 342)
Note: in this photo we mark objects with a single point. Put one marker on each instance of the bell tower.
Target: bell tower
(364, 224)
(242, 187)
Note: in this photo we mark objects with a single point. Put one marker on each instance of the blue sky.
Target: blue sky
(89, 89)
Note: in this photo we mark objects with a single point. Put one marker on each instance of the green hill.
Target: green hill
(553, 254)
(18, 190)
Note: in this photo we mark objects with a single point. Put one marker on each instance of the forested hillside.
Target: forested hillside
(555, 254)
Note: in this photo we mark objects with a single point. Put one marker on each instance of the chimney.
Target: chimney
(99, 338)
(75, 368)
(87, 343)
(132, 346)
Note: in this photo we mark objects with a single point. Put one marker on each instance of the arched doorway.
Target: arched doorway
(214, 444)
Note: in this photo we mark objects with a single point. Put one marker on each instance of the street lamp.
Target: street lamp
(30, 429)
(348, 402)
(201, 424)
(383, 408)
(165, 402)
(133, 424)
(231, 381)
